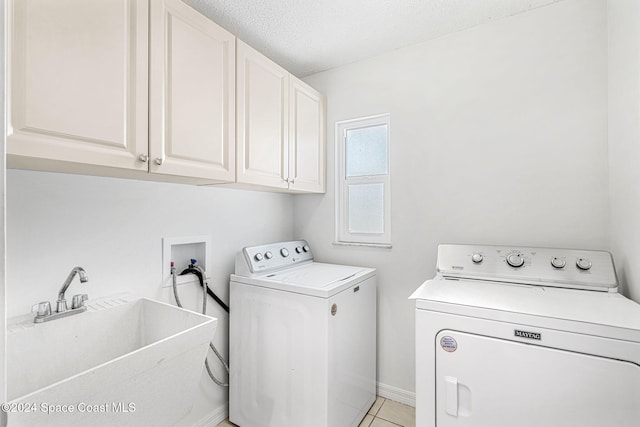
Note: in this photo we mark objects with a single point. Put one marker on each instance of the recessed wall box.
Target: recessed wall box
(181, 250)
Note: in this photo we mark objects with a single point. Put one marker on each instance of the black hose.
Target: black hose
(204, 311)
(209, 291)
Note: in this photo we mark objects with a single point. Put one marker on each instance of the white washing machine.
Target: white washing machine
(526, 337)
(302, 340)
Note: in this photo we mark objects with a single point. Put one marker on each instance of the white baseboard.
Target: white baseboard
(213, 418)
(397, 394)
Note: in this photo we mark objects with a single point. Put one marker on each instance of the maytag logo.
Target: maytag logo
(528, 335)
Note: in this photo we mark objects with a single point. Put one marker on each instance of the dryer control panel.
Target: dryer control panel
(566, 268)
(258, 260)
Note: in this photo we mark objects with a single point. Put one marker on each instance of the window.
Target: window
(363, 191)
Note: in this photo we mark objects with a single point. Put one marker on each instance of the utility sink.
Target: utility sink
(122, 362)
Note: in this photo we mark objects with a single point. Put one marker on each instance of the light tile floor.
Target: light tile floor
(387, 413)
(383, 413)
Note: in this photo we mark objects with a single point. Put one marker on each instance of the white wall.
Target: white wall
(624, 140)
(113, 228)
(498, 136)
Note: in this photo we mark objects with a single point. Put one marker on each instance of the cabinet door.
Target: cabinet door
(262, 97)
(192, 107)
(307, 158)
(78, 81)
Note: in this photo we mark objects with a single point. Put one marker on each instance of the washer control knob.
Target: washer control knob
(515, 259)
(268, 255)
(306, 248)
(477, 258)
(583, 263)
(299, 249)
(558, 262)
(284, 252)
(258, 257)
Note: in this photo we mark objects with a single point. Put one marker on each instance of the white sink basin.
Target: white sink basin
(120, 363)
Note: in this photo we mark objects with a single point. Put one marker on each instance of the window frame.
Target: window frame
(342, 234)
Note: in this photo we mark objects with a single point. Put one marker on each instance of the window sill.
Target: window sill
(372, 245)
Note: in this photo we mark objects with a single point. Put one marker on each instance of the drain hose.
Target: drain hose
(199, 272)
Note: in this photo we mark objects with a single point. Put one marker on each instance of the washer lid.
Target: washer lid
(316, 279)
(604, 314)
(315, 275)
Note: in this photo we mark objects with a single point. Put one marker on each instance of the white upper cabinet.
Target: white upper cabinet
(152, 89)
(121, 84)
(263, 120)
(192, 85)
(307, 147)
(78, 81)
(280, 127)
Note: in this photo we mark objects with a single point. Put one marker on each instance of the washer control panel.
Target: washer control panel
(567, 268)
(271, 257)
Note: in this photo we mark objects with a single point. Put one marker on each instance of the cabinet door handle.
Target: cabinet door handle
(144, 158)
(159, 161)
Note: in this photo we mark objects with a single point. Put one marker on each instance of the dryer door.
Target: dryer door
(490, 382)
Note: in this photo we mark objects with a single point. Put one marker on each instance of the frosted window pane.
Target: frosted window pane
(366, 208)
(366, 151)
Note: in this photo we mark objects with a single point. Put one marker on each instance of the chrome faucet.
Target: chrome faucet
(43, 309)
(61, 305)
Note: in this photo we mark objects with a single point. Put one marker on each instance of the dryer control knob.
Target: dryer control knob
(268, 255)
(583, 263)
(477, 258)
(299, 249)
(558, 262)
(284, 252)
(305, 248)
(515, 259)
(258, 257)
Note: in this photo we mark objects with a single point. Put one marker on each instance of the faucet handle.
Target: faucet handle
(42, 309)
(78, 300)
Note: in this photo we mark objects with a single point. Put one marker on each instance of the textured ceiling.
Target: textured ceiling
(308, 36)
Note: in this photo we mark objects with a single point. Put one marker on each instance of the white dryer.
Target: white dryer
(526, 337)
(302, 340)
